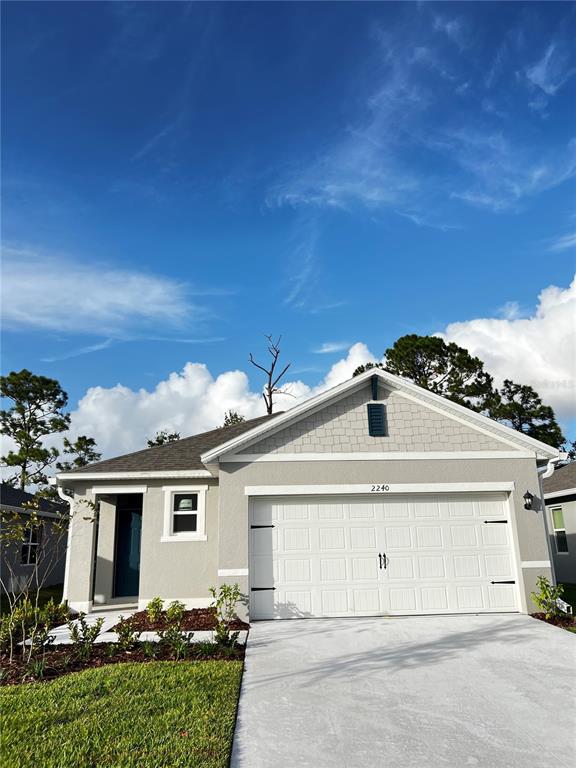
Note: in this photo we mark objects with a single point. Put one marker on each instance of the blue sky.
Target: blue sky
(179, 179)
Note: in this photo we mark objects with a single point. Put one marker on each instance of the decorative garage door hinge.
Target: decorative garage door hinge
(502, 582)
(262, 526)
(262, 589)
(495, 521)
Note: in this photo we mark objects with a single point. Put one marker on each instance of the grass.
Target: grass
(124, 716)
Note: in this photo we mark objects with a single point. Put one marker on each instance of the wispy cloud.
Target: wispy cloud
(56, 293)
(454, 29)
(552, 71)
(99, 346)
(303, 270)
(330, 347)
(564, 242)
(79, 351)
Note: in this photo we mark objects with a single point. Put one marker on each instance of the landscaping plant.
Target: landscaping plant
(547, 596)
(154, 609)
(175, 612)
(176, 641)
(225, 600)
(84, 635)
(128, 637)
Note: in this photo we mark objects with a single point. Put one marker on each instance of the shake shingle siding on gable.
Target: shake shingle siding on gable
(343, 427)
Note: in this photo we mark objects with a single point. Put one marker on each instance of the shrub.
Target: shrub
(36, 668)
(154, 609)
(175, 612)
(546, 597)
(127, 636)
(205, 649)
(149, 649)
(176, 641)
(225, 601)
(84, 635)
(53, 614)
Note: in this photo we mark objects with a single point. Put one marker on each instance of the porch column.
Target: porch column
(80, 560)
(104, 580)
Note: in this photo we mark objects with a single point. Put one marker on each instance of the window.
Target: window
(559, 530)
(184, 513)
(30, 546)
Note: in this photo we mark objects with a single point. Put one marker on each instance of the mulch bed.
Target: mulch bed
(563, 620)
(197, 619)
(61, 660)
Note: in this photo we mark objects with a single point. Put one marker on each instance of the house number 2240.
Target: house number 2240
(379, 488)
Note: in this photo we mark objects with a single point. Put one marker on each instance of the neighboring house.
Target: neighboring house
(20, 562)
(560, 497)
(375, 497)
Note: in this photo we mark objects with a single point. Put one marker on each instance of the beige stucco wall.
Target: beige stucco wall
(529, 527)
(342, 428)
(183, 570)
(565, 563)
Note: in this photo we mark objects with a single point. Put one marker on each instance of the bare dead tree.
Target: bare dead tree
(272, 380)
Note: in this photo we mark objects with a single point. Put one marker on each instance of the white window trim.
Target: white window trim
(200, 533)
(30, 545)
(556, 530)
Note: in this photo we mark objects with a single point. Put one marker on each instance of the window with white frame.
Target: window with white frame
(184, 513)
(559, 530)
(29, 552)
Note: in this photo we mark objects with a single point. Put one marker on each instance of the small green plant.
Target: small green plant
(36, 668)
(204, 649)
(110, 650)
(53, 614)
(149, 649)
(176, 641)
(547, 596)
(84, 635)
(128, 637)
(225, 600)
(175, 612)
(154, 609)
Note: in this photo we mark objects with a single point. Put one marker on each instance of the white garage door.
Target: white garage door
(363, 556)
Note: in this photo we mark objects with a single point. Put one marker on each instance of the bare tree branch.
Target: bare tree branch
(270, 388)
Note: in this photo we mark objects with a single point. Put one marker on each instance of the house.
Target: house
(375, 497)
(20, 563)
(560, 499)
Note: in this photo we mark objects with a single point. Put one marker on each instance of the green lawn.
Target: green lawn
(124, 716)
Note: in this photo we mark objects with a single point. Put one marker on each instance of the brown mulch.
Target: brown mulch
(558, 620)
(197, 619)
(61, 660)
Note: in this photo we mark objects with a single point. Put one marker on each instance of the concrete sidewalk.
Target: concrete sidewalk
(421, 692)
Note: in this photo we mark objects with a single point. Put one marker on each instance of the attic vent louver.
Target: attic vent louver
(376, 420)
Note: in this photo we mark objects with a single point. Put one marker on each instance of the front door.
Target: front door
(127, 560)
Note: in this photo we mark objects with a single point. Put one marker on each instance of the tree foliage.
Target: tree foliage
(81, 452)
(445, 369)
(37, 412)
(162, 437)
(232, 417)
(520, 407)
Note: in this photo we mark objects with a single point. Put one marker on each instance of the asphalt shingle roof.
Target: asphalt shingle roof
(14, 497)
(562, 479)
(181, 454)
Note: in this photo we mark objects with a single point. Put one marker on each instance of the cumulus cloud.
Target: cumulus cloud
(539, 350)
(122, 419)
(60, 294)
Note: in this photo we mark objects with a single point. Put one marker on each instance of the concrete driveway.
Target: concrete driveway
(450, 691)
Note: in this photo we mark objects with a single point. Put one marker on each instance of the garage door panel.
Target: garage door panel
(324, 556)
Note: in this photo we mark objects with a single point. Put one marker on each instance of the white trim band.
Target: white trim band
(535, 564)
(250, 458)
(559, 494)
(188, 474)
(101, 489)
(233, 572)
(373, 489)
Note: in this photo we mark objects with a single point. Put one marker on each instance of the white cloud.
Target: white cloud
(551, 71)
(329, 347)
(60, 294)
(121, 419)
(539, 350)
(564, 243)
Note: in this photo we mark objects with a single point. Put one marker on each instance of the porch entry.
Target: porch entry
(127, 554)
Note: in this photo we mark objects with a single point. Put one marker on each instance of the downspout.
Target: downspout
(70, 500)
(543, 473)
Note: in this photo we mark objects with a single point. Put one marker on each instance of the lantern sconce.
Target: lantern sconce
(528, 499)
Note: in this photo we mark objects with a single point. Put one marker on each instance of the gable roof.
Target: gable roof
(505, 434)
(563, 479)
(180, 455)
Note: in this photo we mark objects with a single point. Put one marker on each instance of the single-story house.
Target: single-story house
(20, 563)
(560, 498)
(376, 497)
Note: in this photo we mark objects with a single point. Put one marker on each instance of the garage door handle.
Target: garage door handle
(261, 526)
(262, 589)
(502, 582)
(495, 521)
(385, 559)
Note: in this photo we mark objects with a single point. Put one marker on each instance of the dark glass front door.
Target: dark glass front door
(127, 560)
